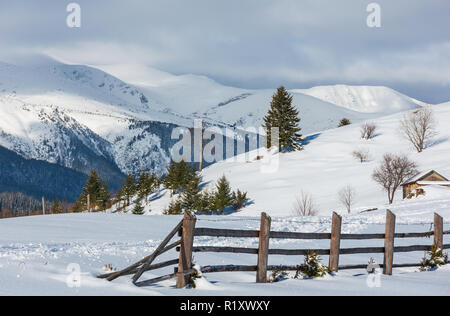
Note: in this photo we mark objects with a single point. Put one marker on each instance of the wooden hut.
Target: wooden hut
(424, 179)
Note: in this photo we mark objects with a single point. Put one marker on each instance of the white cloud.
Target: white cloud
(252, 43)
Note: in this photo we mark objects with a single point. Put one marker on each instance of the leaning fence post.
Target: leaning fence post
(263, 251)
(389, 243)
(187, 242)
(335, 242)
(438, 231)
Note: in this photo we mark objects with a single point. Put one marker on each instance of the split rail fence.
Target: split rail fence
(187, 231)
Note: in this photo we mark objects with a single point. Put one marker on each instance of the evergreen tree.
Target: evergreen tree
(56, 207)
(191, 195)
(206, 201)
(175, 207)
(97, 191)
(223, 196)
(240, 198)
(119, 198)
(286, 117)
(179, 175)
(145, 185)
(138, 209)
(129, 188)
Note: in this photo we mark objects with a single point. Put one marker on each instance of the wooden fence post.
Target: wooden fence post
(335, 245)
(43, 206)
(263, 251)
(438, 231)
(187, 242)
(89, 203)
(389, 243)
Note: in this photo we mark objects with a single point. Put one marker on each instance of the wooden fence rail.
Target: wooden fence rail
(334, 252)
(187, 231)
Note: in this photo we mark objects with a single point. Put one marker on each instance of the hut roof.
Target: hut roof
(422, 176)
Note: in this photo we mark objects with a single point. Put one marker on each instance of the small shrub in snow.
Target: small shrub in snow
(193, 277)
(304, 205)
(175, 208)
(239, 200)
(347, 197)
(436, 258)
(344, 122)
(361, 154)
(278, 275)
(368, 131)
(312, 268)
(138, 209)
(108, 268)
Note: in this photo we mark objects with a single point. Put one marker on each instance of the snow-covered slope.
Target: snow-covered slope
(326, 165)
(83, 118)
(366, 99)
(199, 96)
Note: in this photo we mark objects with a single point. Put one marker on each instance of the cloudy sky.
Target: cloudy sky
(247, 43)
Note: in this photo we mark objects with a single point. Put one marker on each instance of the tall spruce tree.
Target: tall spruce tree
(284, 115)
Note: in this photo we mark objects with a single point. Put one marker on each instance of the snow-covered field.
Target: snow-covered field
(37, 254)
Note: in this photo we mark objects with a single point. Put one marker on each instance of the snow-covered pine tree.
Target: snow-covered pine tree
(284, 115)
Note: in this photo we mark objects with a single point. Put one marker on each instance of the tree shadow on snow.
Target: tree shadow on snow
(309, 138)
(436, 142)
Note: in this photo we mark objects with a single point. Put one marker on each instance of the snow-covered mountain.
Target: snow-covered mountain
(118, 119)
(366, 99)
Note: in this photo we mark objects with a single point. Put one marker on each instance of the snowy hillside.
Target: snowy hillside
(84, 118)
(199, 96)
(325, 166)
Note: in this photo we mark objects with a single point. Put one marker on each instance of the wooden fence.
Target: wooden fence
(188, 231)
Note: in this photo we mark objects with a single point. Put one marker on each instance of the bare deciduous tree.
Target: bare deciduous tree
(362, 154)
(304, 205)
(368, 130)
(418, 127)
(393, 171)
(347, 197)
